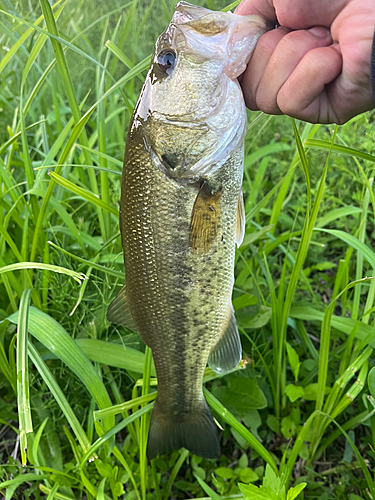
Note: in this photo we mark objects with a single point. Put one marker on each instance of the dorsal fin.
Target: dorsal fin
(205, 219)
(119, 310)
(241, 220)
(227, 353)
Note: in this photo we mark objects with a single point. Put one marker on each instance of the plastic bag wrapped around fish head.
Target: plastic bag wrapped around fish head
(191, 105)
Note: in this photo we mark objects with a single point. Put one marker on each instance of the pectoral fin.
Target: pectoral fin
(205, 219)
(241, 220)
(119, 311)
(227, 353)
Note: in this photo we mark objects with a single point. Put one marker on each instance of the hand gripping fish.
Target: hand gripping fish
(182, 213)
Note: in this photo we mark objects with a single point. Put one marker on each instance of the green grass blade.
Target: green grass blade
(354, 242)
(38, 435)
(99, 442)
(138, 68)
(67, 219)
(122, 57)
(9, 56)
(207, 489)
(6, 236)
(120, 408)
(55, 338)
(77, 165)
(55, 38)
(69, 90)
(5, 145)
(359, 264)
(338, 213)
(60, 398)
(90, 263)
(5, 369)
(353, 391)
(176, 469)
(337, 148)
(144, 423)
(263, 152)
(24, 478)
(231, 6)
(79, 277)
(366, 472)
(361, 418)
(53, 493)
(325, 339)
(340, 323)
(305, 167)
(83, 193)
(36, 49)
(23, 391)
(123, 462)
(109, 158)
(77, 130)
(236, 425)
(301, 438)
(113, 354)
(61, 496)
(26, 159)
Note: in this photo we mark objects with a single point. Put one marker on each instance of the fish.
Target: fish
(181, 215)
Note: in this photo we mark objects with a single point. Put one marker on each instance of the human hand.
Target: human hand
(316, 65)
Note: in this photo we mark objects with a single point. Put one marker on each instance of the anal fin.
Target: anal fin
(119, 311)
(227, 353)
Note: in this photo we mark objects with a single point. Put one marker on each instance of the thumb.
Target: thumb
(263, 8)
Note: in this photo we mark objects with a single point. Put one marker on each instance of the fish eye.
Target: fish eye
(166, 61)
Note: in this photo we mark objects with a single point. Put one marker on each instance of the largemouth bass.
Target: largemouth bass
(181, 215)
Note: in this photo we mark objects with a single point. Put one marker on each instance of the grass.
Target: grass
(298, 417)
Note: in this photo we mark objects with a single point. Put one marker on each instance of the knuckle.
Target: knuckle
(250, 100)
(291, 42)
(296, 44)
(342, 119)
(289, 102)
(288, 106)
(268, 42)
(266, 104)
(251, 106)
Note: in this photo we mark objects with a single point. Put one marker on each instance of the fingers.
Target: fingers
(301, 72)
(258, 64)
(304, 94)
(276, 57)
(294, 14)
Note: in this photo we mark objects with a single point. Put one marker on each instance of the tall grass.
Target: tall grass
(82, 389)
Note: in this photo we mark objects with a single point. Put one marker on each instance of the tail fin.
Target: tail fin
(194, 431)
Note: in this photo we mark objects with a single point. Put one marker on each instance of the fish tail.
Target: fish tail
(196, 431)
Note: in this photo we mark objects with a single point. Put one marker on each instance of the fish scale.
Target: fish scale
(181, 214)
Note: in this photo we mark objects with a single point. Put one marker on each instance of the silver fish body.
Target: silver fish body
(181, 214)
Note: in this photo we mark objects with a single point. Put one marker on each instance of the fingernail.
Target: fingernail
(320, 32)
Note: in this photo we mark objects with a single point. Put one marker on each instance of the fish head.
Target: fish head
(191, 100)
